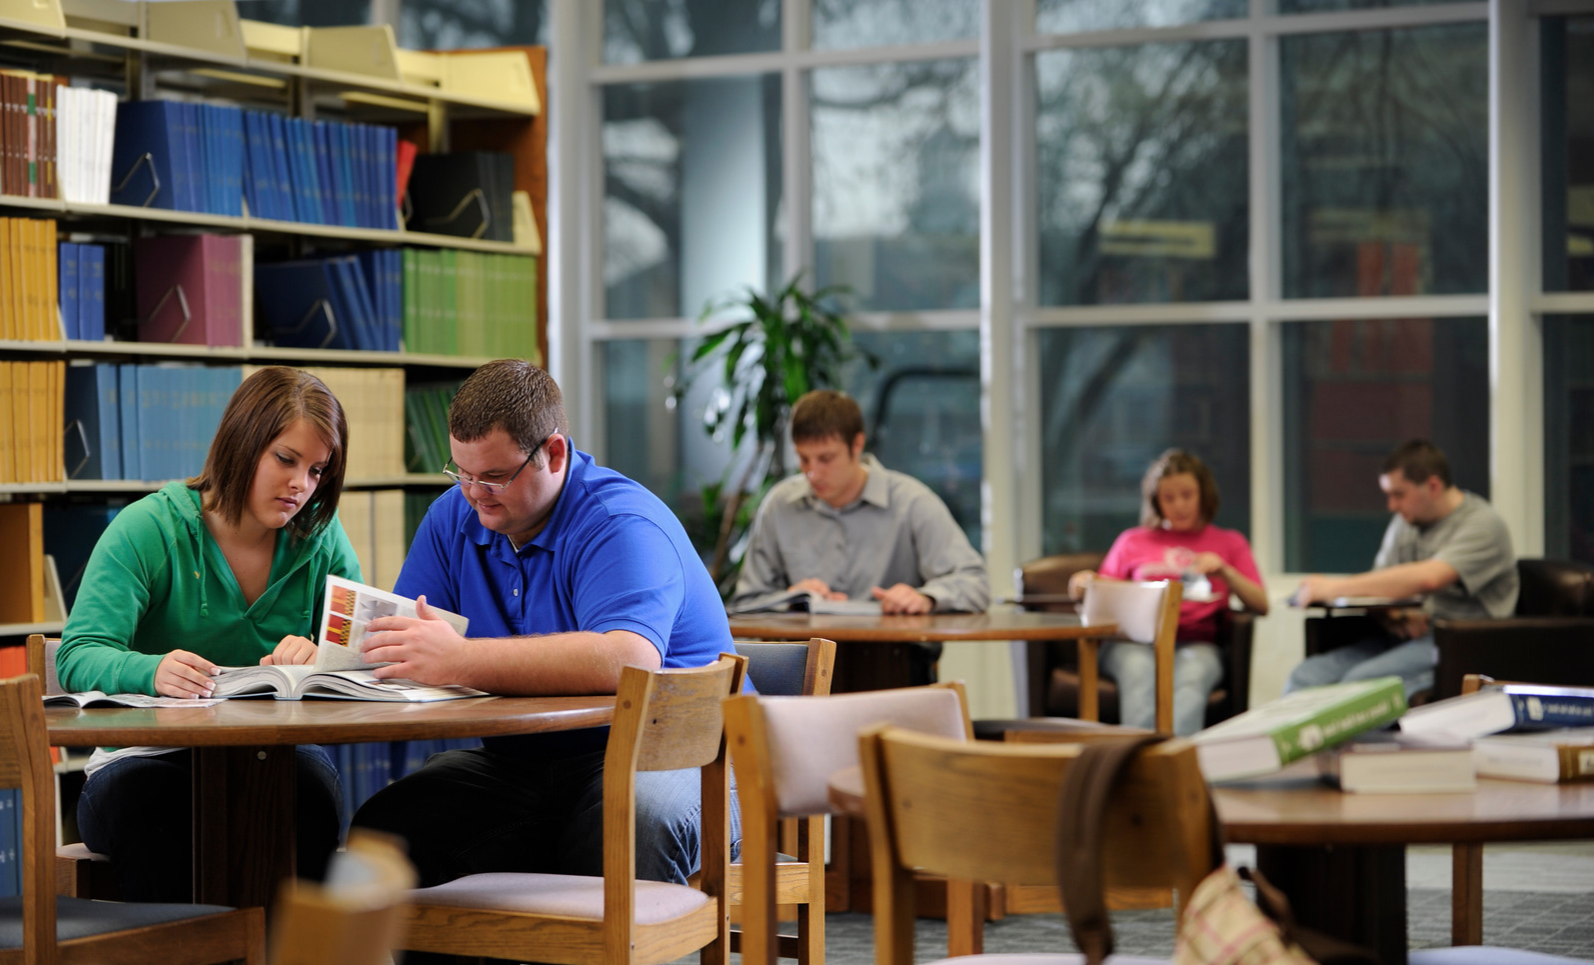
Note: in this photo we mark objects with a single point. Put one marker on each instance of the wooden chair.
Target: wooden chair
(663, 720)
(1145, 613)
(79, 872)
(41, 927)
(988, 811)
(786, 748)
(356, 917)
(792, 670)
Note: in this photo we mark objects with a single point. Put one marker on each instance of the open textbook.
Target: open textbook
(806, 600)
(347, 608)
(97, 698)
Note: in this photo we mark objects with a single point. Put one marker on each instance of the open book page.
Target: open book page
(96, 698)
(800, 600)
(348, 607)
(296, 681)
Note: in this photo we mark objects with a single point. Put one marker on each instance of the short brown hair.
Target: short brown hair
(1171, 463)
(512, 395)
(1418, 460)
(823, 413)
(265, 406)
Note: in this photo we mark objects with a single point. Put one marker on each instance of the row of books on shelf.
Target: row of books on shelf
(470, 303)
(1526, 732)
(426, 422)
(31, 440)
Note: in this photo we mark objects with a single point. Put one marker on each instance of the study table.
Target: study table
(1341, 857)
(243, 773)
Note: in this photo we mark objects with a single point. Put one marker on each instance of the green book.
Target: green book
(1266, 738)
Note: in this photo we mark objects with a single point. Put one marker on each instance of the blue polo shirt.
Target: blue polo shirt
(612, 557)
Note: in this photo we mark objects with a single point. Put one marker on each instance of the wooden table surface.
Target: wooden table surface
(918, 628)
(244, 768)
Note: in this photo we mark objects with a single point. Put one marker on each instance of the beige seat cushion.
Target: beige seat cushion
(563, 896)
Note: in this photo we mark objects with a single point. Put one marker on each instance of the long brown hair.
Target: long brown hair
(265, 406)
(1171, 463)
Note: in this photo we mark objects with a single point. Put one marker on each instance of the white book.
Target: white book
(806, 600)
(98, 698)
(347, 608)
(297, 681)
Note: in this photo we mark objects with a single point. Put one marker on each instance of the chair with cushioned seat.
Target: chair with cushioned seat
(663, 720)
(40, 926)
(1550, 640)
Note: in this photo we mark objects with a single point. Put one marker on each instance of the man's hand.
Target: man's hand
(423, 648)
(1315, 589)
(290, 649)
(819, 588)
(184, 674)
(1405, 624)
(902, 598)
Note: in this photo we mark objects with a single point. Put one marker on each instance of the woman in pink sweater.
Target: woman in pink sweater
(1176, 540)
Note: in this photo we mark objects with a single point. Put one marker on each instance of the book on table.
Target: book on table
(1387, 762)
(1264, 739)
(801, 600)
(97, 698)
(348, 607)
(1547, 756)
(1503, 707)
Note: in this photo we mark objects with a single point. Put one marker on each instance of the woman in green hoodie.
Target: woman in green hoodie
(226, 569)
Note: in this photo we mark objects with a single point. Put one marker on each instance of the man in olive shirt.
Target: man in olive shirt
(846, 527)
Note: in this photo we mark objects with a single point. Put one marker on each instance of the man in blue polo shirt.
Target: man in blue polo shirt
(567, 572)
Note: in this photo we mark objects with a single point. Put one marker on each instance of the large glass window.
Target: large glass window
(1569, 436)
(1567, 55)
(303, 13)
(1355, 389)
(848, 24)
(1324, 6)
(638, 30)
(1112, 399)
(447, 24)
(1074, 16)
(692, 184)
(896, 194)
(921, 409)
(1385, 162)
(1141, 164)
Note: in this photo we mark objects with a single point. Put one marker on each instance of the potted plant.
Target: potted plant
(773, 350)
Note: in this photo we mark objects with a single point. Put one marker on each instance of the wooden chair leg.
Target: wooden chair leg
(1466, 894)
(1089, 706)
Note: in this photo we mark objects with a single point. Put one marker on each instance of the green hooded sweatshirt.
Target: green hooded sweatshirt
(157, 582)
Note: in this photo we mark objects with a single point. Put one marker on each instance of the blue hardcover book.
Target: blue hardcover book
(144, 154)
(348, 200)
(89, 436)
(233, 142)
(287, 190)
(304, 146)
(386, 166)
(344, 307)
(66, 261)
(91, 293)
(1509, 707)
(321, 148)
(363, 140)
(298, 306)
(251, 170)
(371, 268)
(207, 165)
(357, 295)
(274, 204)
(70, 532)
(191, 167)
(132, 448)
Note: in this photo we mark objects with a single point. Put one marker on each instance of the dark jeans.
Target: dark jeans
(139, 810)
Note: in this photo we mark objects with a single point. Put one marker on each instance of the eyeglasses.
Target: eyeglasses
(493, 488)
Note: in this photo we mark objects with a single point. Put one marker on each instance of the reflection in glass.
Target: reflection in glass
(691, 189)
(921, 410)
(303, 13)
(1142, 164)
(1070, 16)
(1355, 389)
(896, 198)
(449, 24)
(1112, 399)
(638, 30)
(1386, 162)
(1323, 6)
(1566, 48)
(1569, 437)
(847, 24)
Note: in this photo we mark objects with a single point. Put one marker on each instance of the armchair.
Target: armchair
(1549, 640)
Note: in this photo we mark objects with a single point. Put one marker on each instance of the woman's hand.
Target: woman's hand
(1078, 582)
(184, 674)
(291, 649)
(1207, 563)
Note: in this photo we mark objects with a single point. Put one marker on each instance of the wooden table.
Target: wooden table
(1342, 857)
(243, 773)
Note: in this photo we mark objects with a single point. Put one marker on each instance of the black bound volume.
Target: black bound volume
(466, 195)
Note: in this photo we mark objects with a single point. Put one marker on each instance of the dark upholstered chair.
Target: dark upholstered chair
(1053, 666)
(1550, 640)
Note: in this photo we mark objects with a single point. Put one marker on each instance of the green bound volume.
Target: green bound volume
(1266, 738)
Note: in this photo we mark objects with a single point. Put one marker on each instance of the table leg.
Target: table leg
(243, 823)
(1466, 894)
(1353, 893)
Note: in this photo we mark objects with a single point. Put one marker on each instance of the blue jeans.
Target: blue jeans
(480, 810)
(139, 810)
(1197, 668)
(1412, 661)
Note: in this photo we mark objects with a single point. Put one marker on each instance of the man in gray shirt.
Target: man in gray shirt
(846, 527)
(1448, 546)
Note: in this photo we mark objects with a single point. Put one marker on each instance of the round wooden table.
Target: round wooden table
(243, 773)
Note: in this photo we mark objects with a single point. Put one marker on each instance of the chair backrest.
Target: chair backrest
(790, 669)
(25, 765)
(1144, 612)
(789, 747)
(41, 661)
(996, 819)
(1555, 588)
(356, 917)
(1050, 574)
